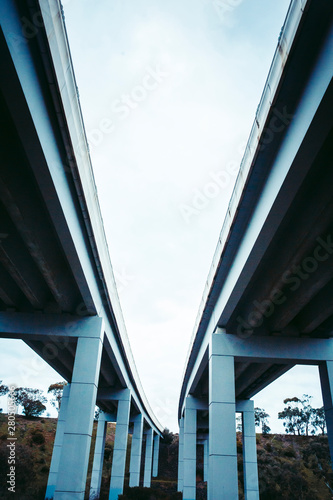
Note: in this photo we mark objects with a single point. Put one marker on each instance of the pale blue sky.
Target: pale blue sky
(169, 92)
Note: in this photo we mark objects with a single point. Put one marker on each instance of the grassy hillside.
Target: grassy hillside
(294, 467)
(290, 467)
(34, 445)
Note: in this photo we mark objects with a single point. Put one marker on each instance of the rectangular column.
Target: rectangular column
(250, 466)
(190, 452)
(148, 458)
(59, 437)
(181, 455)
(222, 475)
(120, 446)
(97, 469)
(156, 454)
(72, 476)
(206, 458)
(136, 449)
(326, 379)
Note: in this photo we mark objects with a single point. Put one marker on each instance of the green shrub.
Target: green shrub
(37, 437)
(289, 452)
(44, 469)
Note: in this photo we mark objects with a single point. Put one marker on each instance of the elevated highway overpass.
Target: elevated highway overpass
(57, 289)
(267, 303)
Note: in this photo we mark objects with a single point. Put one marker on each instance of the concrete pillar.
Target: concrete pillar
(59, 437)
(136, 449)
(190, 451)
(250, 466)
(222, 475)
(206, 458)
(72, 475)
(156, 454)
(181, 456)
(148, 458)
(326, 379)
(97, 469)
(120, 446)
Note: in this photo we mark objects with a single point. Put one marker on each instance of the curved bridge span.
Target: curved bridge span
(57, 289)
(267, 303)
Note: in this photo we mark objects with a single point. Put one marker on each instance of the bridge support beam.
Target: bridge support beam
(250, 465)
(59, 437)
(97, 469)
(326, 379)
(120, 445)
(72, 475)
(223, 350)
(148, 458)
(190, 450)
(136, 450)
(181, 456)
(223, 477)
(156, 454)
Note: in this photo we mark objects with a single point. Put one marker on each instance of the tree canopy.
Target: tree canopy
(32, 401)
(3, 389)
(56, 390)
(168, 436)
(300, 417)
(261, 419)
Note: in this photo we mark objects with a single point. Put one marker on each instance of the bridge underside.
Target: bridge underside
(271, 281)
(290, 292)
(285, 286)
(40, 272)
(57, 288)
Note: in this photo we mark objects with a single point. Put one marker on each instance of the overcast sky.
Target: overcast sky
(169, 91)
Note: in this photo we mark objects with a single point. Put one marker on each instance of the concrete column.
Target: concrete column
(120, 446)
(148, 458)
(72, 476)
(59, 437)
(326, 379)
(206, 458)
(97, 469)
(190, 451)
(136, 449)
(156, 454)
(250, 466)
(181, 456)
(222, 475)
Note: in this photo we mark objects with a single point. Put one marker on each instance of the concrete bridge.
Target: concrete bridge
(267, 304)
(57, 289)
